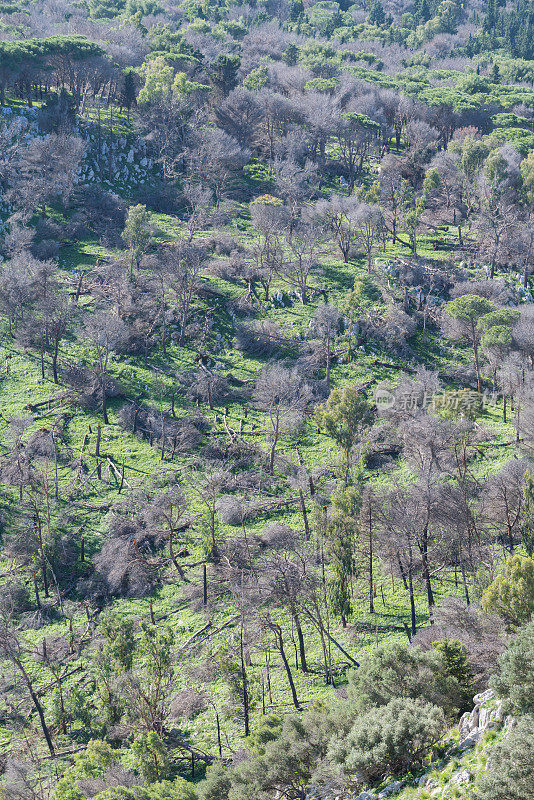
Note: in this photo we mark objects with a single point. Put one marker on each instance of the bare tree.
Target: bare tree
(326, 322)
(105, 333)
(284, 395)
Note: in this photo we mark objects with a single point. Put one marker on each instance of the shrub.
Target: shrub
(511, 594)
(516, 672)
(510, 774)
(456, 665)
(391, 740)
(395, 670)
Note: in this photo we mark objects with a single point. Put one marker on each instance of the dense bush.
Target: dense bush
(515, 679)
(510, 774)
(391, 740)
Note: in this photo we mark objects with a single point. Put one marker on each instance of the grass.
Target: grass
(87, 505)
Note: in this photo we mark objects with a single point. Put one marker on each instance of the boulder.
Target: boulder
(484, 718)
(463, 726)
(391, 790)
(461, 777)
(474, 717)
(470, 741)
(483, 697)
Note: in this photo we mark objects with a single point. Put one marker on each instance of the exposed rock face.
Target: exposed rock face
(474, 724)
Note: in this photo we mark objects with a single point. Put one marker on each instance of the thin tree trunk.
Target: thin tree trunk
(278, 632)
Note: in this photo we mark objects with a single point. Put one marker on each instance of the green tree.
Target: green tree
(222, 72)
(511, 593)
(527, 523)
(397, 670)
(345, 416)
(456, 666)
(256, 79)
(137, 234)
(515, 679)
(286, 765)
(92, 762)
(377, 15)
(341, 539)
(151, 757)
(217, 783)
(468, 309)
(128, 96)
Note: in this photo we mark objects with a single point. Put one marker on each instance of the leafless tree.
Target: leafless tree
(283, 394)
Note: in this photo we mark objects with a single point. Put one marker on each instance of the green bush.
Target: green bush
(516, 672)
(511, 594)
(510, 772)
(392, 740)
(395, 670)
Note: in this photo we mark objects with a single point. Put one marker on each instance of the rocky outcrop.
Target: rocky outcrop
(482, 718)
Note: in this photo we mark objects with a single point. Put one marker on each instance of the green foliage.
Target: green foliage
(161, 83)
(391, 740)
(256, 79)
(397, 670)
(268, 730)
(119, 640)
(456, 666)
(511, 775)
(217, 784)
(345, 415)
(341, 536)
(527, 174)
(458, 404)
(470, 308)
(502, 317)
(150, 757)
(322, 84)
(515, 679)
(527, 523)
(89, 763)
(137, 233)
(286, 764)
(511, 594)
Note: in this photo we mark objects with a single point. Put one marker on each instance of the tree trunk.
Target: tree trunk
(300, 637)
(371, 598)
(412, 603)
(278, 632)
(304, 515)
(245, 688)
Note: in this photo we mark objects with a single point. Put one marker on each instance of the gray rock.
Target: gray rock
(391, 790)
(474, 717)
(461, 777)
(484, 718)
(470, 741)
(366, 796)
(463, 726)
(499, 712)
(483, 697)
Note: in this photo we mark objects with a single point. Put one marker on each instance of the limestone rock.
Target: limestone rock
(461, 777)
(483, 697)
(391, 790)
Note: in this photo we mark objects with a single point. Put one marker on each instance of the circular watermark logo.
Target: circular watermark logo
(384, 399)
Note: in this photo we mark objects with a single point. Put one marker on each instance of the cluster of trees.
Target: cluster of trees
(308, 161)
